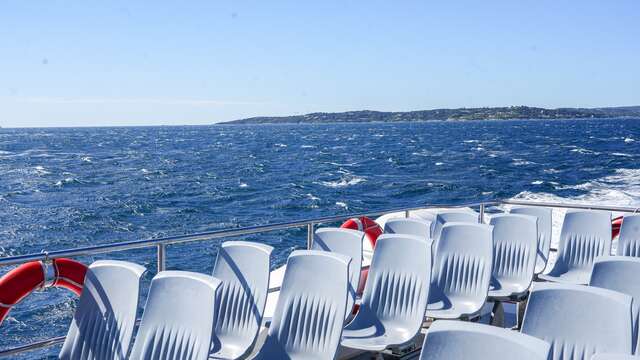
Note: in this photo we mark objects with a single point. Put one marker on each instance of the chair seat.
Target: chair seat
(574, 276)
(507, 291)
(230, 351)
(445, 310)
(373, 337)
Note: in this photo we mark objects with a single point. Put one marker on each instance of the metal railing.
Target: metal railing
(161, 243)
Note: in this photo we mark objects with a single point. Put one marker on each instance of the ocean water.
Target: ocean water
(63, 188)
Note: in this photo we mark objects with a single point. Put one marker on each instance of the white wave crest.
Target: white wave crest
(342, 182)
(521, 162)
(580, 150)
(619, 189)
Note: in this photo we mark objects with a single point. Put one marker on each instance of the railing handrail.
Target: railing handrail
(216, 234)
(569, 205)
(209, 235)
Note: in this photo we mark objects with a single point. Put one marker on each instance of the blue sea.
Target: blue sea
(69, 187)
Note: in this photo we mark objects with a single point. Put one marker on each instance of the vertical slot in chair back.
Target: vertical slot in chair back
(579, 321)
(629, 239)
(102, 326)
(620, 273)
(409, 226)
(545, 226)
(243, 269)
(310, 312)
(178, 318)
(347, 242)
(453, 340)
(585, 235)
(515, 244)
(395, 296)
(461, 271)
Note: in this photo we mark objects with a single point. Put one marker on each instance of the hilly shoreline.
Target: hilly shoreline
(485, 113)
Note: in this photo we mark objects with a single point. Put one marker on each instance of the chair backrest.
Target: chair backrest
(565, 315)
(347, 242)
(103, 323)
(515, 243)
(453, 340)
(620, 273)
(443, 217)
(629, 239)
(310, 312)
(545, 227)
(585, 235)
(397, 288)
(382, 220)
(178, 318)
(243, 269)
(409, 226)
(463, 262)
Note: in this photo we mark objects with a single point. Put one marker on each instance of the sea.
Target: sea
(62, 188)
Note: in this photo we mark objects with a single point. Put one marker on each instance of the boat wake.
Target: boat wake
(619, 189)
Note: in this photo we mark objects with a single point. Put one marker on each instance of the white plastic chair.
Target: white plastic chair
(515, 243)
(461, 271)
(409, 226)
(579, 321)
(545, 225)
(310, 312)
(620, 273)
(395, 296)
(178, 318)
(585, 235)
(103, 323)
(443, 217)
(347, 242)
(455, 340)
(243, 269)
(629, 239)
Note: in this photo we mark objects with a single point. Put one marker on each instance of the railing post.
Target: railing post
(309, 235)
(481, 219)
(161, 254)
(406, 213)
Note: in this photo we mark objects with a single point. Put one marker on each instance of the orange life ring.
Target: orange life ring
(371, 228)
(615, 226)
(23, 280)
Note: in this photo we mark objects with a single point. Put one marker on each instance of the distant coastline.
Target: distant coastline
(486, 113)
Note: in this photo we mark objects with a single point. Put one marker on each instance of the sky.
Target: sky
(112, 63)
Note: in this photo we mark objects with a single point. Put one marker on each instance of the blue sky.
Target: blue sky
(197, 62)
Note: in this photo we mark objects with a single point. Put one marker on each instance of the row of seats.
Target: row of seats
(187, 315)
(584, 245)
(562, 321)
(196, 316)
